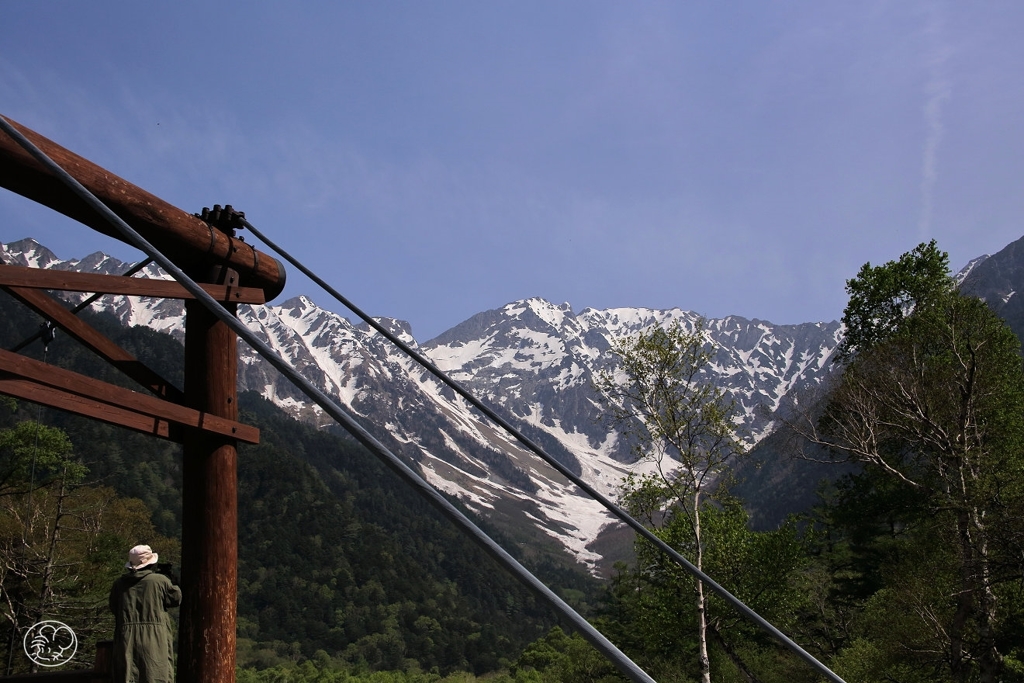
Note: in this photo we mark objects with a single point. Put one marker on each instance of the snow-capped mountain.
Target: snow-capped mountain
(998, 280)
(535, 362)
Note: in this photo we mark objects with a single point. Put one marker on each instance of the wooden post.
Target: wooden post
(209, 561)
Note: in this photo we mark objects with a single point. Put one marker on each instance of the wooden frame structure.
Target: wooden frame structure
(203, 416)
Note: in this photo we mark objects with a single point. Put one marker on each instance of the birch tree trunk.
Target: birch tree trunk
(702, 601)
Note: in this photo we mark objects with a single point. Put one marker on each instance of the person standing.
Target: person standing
(139, 599)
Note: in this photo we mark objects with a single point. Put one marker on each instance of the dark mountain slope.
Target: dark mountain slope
(999, 280)
(335, 552)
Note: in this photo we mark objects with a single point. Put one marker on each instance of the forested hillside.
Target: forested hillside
(336, 554)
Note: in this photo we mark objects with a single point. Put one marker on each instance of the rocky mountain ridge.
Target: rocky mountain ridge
(534, 361)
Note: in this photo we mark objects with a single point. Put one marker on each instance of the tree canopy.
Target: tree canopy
(685, 426)
(932, 399)
(882, 297)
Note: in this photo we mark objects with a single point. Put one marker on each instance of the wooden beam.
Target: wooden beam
(91, 397)
(79, 405)
(68, 281)
(185, 239)
(99, 344)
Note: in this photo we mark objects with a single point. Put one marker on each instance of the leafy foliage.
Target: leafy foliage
(651, 607)
(933, 406)
(882, 297)
(685, 426)
(61, 542)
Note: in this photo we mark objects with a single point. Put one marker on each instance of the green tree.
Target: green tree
(37, 474)
(61, 543)
(684, 425)
(650, 603)
(32, 456)
(932, 397)
(562, 658)
(882, 297)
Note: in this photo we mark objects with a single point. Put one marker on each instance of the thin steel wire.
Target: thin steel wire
(82, 306)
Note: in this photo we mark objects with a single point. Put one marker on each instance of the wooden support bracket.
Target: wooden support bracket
(49, 385)
(68, 281)
(96, 342)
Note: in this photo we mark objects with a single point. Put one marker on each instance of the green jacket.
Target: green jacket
(143, 643)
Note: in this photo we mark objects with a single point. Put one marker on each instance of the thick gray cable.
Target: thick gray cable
(569, 474)
(624, 664)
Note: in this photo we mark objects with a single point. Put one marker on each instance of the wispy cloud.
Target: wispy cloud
(938, 90)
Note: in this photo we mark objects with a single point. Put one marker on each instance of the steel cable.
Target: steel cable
(625, 517)
(625, 665)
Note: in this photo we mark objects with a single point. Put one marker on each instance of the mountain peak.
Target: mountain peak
(28, 252)
(400, 328)
(542, 309)
(969, 268)
(298, 306)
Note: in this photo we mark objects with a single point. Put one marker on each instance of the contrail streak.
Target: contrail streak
(937, 92)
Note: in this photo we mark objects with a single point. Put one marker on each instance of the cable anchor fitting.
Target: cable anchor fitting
(225, 219)
(47, 333)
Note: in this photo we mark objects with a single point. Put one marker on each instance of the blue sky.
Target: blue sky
(434, 160)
